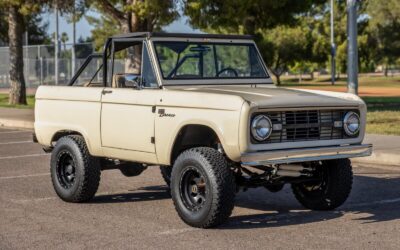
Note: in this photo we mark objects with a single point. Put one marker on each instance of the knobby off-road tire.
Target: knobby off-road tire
(166, 174)
(332, 192)
(74, 172)
(202, 187)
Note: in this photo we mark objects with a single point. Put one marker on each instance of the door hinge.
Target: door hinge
(153, 109)
(153, 140)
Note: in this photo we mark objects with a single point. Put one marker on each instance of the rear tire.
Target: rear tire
(332, 191)
(75, 174)
(202, 187)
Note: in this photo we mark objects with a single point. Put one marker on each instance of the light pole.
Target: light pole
(352, 50)
(56, 44)
(333, 46)
(73, 40)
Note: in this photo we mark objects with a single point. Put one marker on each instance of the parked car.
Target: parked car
(204, 108)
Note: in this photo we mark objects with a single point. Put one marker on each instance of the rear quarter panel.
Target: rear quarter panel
(60, 108)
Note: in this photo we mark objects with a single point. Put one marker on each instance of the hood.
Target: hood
(275, 97)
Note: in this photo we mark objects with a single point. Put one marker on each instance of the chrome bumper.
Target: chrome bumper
(305, 155)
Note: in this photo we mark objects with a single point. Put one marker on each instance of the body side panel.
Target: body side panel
(221, 113)
(127, 119)
(69, 109)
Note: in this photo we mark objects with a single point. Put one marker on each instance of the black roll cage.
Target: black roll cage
(83, 66)
(107, 51)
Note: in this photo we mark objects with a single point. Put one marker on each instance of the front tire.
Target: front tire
(333, 189)
(75, 174)
(202, 187)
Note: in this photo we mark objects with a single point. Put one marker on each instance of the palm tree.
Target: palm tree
(64, 39)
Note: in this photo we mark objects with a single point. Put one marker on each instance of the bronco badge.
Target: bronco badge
(161, 113)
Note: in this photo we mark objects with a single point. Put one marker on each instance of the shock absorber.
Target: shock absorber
(293, 171)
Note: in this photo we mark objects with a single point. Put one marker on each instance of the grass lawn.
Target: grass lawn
(4, 102)
(364, 81)
(383, 115)
(383, 122)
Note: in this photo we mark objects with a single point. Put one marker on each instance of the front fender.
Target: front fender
(225, 124)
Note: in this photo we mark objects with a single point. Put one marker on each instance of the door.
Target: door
(127, 115)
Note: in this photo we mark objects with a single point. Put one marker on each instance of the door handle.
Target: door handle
(104, 92)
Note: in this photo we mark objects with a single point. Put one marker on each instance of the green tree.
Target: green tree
(64, 39)
(36, 29)
(17, 12)
(385, 26)
(130, 16)
(248, 16)
(282, 47)
(104, 27)
(136, 15)
(277, 26)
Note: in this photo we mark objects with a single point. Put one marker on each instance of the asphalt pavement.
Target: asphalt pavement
(137, 212)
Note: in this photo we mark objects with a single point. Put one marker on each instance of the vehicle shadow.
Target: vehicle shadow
(145, 194)
(372, 200)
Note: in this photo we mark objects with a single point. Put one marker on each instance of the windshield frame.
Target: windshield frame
(210, 81)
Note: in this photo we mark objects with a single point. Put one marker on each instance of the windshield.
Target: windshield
(194, 60)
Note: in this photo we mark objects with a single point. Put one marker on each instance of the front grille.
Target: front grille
(309, 125)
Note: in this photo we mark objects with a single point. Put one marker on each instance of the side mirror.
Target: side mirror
(133, 81)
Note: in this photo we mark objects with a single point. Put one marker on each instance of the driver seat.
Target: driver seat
(118, 81)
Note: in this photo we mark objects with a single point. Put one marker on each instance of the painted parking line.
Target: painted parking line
(381, 202)
(22, 156)
(15, 142)
(23, 176)
(124, 191)
(14, 132)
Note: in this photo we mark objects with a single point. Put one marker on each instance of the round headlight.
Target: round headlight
(261, 127)
(351, 123)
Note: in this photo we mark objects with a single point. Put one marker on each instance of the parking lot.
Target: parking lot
(138, 212)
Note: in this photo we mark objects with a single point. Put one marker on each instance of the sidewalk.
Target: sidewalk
(386, 150)
(386, 147)
(19, 118)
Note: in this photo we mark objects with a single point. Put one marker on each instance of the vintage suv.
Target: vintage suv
(204, 108)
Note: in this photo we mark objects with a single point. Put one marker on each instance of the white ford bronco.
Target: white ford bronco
(204, 108)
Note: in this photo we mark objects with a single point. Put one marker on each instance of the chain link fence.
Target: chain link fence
(39, 64)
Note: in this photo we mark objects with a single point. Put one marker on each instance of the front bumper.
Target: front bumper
(305, 155)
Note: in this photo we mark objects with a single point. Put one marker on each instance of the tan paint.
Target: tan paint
(120, 124)
(127, 120)
(69, 108)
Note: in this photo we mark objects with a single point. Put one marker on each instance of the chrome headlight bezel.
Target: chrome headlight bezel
(255, 127)
(347, 123)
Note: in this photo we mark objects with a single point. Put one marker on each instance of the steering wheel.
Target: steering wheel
(228, 69)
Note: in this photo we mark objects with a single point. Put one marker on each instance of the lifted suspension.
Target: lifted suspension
(274, 177)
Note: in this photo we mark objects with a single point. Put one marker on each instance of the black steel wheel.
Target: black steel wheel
(192, 188)
(65, 169)
(331, 190)
(75, 174)
(203, 187)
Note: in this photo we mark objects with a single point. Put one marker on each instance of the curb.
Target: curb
(16, 123)
(380, 158)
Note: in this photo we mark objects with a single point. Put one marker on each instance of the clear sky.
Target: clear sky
(83, 29)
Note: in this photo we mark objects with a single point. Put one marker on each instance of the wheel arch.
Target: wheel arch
(193, 135)
(65, 132)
